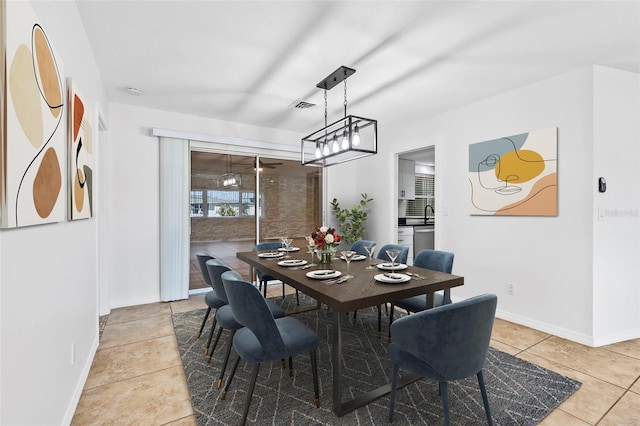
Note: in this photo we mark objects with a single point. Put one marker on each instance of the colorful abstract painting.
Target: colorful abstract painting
(80, 156)
(515, 175)
(33, 151)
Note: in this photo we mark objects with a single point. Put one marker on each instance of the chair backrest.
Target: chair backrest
(216, 269)
(359, 246)
(202, 257)
(265, 246)
(402, 257)
(436, 260)
(250, 309)
(452, 339)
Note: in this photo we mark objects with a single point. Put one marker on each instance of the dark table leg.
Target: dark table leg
(336, 361)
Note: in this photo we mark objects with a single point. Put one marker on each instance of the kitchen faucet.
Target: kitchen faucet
(425, 212)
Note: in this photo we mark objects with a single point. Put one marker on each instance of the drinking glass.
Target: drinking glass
(393, 255)
(287, 245)
(370, 250)
(347, 255)
(311, 245)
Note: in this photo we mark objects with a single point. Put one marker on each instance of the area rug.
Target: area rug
(519, 392)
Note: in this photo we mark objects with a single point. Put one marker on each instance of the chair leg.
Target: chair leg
(297, 298)
(485, 398)
(213, 326)
(283, 284)
(204, 321)
(264, 284)
(445, 402)
(210, 349)
(226, 360)
(314, 373)
(394, 385)
(290, 366)
(252, 385)
(233, 373)
(354, 316)
(379, 320)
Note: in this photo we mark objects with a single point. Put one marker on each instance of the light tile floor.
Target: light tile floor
(137, 377)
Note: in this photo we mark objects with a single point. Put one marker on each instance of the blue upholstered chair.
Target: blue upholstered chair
(382, 255)
(224, 315)
(264, 278)
(211, 298)
(359, 246)
(436, 260)
(446, 343)
(263, 337)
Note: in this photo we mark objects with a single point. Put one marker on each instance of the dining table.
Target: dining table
(363, 290)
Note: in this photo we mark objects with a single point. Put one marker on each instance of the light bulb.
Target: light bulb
(325, 150)
(318, 152)
(356, 136)
(345, 140)
(335, 145)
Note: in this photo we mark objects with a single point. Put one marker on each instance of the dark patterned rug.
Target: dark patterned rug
(519, 392)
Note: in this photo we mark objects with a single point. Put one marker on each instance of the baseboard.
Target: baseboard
(82, 380)
(564, 333)
(617, 337)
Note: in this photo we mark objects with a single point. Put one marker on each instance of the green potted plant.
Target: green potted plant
(352, 220)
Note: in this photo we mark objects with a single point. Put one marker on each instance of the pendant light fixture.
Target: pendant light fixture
(347, 139)
(230, 178)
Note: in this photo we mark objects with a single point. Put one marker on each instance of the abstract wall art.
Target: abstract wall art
(33, 131)
(515, 175)
(80, 157)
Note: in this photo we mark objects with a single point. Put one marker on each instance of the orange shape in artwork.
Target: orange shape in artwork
(542, 200)
(519, 166)
(47, 183)
(78, 113)
(48, 72)
(78, 190)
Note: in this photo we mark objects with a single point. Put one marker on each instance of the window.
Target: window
(425, 195)
(196, 201)
(222, 203)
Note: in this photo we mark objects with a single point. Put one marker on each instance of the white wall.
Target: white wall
(616, 154)
(48, 295)
(549, 259)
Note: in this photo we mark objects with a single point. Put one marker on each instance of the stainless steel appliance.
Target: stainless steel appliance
(423, 237)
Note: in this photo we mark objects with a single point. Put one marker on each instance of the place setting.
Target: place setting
(271, 255)
(392, 277)
(327, 276)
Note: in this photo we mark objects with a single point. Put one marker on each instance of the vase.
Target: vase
(325, 256)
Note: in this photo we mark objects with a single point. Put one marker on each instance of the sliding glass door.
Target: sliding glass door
(238, 200)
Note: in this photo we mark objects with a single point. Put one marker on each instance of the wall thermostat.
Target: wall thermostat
(602, 184)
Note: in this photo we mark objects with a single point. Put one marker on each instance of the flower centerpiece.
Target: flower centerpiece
(326, 239)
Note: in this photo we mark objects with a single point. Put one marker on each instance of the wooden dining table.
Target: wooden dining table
(359, 292)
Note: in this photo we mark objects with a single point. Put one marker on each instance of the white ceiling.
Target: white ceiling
(247, 61)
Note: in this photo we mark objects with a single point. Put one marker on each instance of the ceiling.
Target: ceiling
(248, 61)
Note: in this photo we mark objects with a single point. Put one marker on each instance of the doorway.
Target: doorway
(239, 200)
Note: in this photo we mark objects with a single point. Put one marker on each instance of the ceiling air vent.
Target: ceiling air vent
(300, 104)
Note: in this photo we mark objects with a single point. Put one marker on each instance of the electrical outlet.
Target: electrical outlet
(511, 289)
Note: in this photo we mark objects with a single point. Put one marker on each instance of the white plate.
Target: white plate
(356, 257)
(270, 255)
(323, 274)
(292, 262)
(289, 249)
(387, 266)
(392, 278)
